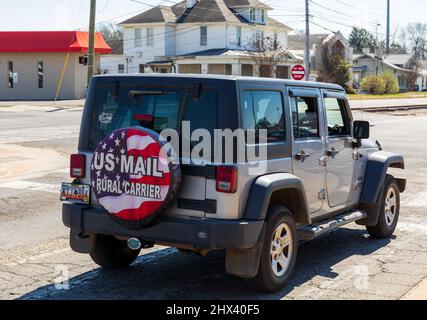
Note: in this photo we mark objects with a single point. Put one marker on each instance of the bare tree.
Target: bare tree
(398, 41)
(417, 33)
(414, 70)
(110, 31)
(267, 54)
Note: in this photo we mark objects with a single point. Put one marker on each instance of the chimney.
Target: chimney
(191, 3)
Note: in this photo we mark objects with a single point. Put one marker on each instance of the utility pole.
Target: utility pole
(91, 48)
(307, 40)
(388, 28)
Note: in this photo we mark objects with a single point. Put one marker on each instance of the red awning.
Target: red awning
(51, 41)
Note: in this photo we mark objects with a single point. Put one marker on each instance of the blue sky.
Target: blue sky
(328, 14)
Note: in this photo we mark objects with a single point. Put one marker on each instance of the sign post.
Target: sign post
(298, 72)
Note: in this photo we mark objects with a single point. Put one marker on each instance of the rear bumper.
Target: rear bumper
(208, 234)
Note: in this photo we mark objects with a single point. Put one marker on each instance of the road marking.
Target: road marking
(32, 186)
(40, 256)
(416, 200)
(39, 134)
(412, 227)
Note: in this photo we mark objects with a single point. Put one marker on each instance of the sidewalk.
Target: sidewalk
(48, 104)
(417, 293)
(387, 104)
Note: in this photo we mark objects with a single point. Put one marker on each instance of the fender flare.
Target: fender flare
(376, 171)
(375, 175)
(263, 189)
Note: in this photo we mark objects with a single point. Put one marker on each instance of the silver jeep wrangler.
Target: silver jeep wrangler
(321, 173)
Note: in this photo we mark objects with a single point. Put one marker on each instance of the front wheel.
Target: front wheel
(111, 253)
(279, 252)
(389, 210)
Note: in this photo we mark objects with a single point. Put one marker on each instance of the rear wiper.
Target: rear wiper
(136, 93)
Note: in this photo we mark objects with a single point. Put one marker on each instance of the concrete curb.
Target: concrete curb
(52, 104)
(390, 108)
(417, 293)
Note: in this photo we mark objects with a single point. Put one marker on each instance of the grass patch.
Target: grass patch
(406, 95)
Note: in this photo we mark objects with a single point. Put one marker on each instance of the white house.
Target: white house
(114, 62)
(202, 36)
(367, 64)
(335, 42)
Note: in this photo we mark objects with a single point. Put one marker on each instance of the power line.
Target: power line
(367, 11)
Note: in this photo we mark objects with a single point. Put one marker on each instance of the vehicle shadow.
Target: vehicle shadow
(168, 274)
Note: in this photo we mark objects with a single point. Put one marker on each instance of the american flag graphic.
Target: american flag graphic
(130, 195)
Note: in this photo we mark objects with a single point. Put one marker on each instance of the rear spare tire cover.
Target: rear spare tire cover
(133, 177)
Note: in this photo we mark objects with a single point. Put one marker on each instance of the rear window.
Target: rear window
(168, 106)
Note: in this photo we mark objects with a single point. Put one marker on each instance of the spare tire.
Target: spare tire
(133, 176)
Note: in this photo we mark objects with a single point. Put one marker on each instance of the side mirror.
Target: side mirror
(361, 130)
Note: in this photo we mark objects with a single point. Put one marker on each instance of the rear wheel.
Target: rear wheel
(112, 253)
(389, 210)
(279, 252)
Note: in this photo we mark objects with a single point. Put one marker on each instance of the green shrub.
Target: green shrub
(391, 84)
(374, 85)
(383, 84)
(349, 89)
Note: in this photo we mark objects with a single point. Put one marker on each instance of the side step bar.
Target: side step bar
(318, 229)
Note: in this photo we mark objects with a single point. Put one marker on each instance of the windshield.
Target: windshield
(167, 106)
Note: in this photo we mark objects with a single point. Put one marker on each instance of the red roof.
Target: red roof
(51, 41)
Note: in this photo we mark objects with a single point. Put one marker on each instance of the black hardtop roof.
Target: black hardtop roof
(252, 80)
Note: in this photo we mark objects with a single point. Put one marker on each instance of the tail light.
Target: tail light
(226, 179)
(77, 166)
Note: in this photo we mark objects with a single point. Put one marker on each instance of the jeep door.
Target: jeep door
(341, 167)
(309, 144)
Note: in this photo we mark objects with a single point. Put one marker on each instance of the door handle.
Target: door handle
(302, 156)
(332, 152)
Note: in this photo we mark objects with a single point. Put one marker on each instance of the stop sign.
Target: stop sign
(298, 72)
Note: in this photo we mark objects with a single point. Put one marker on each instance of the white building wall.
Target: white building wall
(170, 41)
(141, 53)
(248, 34)
(188, 38)
(110, 63)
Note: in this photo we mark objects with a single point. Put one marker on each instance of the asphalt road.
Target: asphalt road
(35, 256)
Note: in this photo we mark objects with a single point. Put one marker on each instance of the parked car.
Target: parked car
(321, 172)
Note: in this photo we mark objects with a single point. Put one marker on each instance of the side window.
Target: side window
(264, 110)
(150, 37)
(338, 122)
(138, 37)
(305, 117)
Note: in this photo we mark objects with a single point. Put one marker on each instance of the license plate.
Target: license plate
(75, 193)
